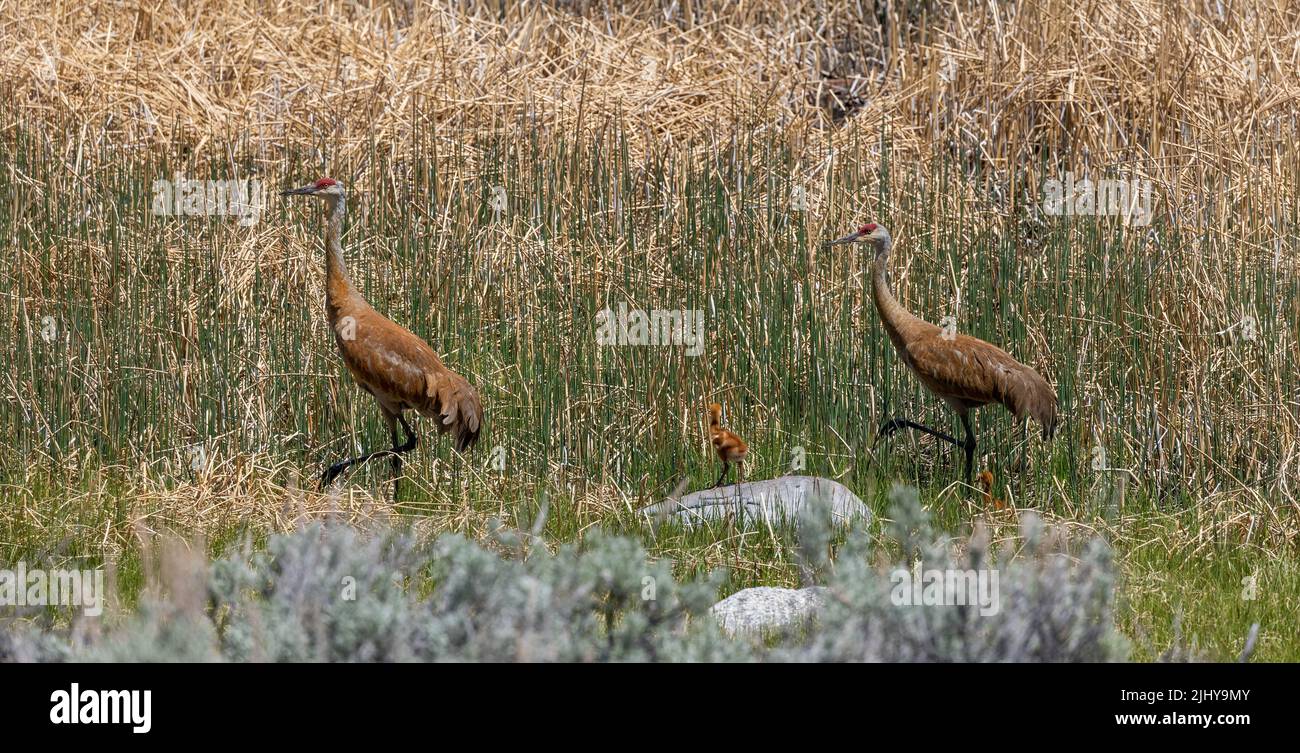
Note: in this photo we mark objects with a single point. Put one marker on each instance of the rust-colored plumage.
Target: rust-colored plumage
(388, 361)
(986, 483)
(729, 447)
(965, 372)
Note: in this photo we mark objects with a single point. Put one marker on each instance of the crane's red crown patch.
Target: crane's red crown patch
(326, 182)
(870, 227)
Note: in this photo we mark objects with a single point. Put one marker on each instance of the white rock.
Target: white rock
(770, 501)
(760, 610)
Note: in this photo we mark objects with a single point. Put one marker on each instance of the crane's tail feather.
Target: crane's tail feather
(1042, 405)
(1049, 423)
(457, 408)
(1027, 395)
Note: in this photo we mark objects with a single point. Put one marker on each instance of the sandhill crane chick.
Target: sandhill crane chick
(965, 372)
(986, 482)
(387, 360)
(729, 447)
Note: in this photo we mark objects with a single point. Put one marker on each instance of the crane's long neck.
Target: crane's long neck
(898, 321)
(338, 287)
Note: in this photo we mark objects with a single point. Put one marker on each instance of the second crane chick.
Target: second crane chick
(729, 447)
(986, 481)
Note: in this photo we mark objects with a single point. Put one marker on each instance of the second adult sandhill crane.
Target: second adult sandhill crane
(387, 360)
(729, 447)
(965, 372)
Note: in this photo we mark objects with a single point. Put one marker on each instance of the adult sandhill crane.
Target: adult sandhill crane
(965, 372)
(729, 447)
(399, 369)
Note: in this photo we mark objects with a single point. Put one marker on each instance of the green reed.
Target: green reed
(179, 333)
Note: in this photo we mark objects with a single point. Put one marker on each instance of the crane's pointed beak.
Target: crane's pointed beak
(304, 191)
(846, 239)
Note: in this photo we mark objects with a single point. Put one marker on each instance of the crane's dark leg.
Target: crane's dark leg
(395, 452)
(397, 458)
(398, 451)
(894, 424)
(969, 446)
(725, 468)
(740, 481)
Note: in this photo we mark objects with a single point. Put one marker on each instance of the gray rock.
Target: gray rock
(770, 501)
(764, 610)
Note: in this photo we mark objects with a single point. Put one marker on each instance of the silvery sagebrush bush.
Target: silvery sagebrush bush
(1052, 607)
(330, 592)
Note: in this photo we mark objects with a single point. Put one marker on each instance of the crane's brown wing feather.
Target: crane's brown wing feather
(974, 372)
(403, 372)
(729, 446)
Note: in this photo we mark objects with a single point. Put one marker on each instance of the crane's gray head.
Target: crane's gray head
(871, 233)
(325, 188)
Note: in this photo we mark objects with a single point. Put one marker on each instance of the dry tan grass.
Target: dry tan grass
(1175, 85)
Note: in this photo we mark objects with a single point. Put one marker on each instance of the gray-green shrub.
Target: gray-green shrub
(329, 592)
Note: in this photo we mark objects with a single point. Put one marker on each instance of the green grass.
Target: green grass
(1205, 594)
(178, 332)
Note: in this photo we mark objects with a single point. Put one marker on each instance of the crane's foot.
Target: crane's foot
(332, 473)
(888, 428)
